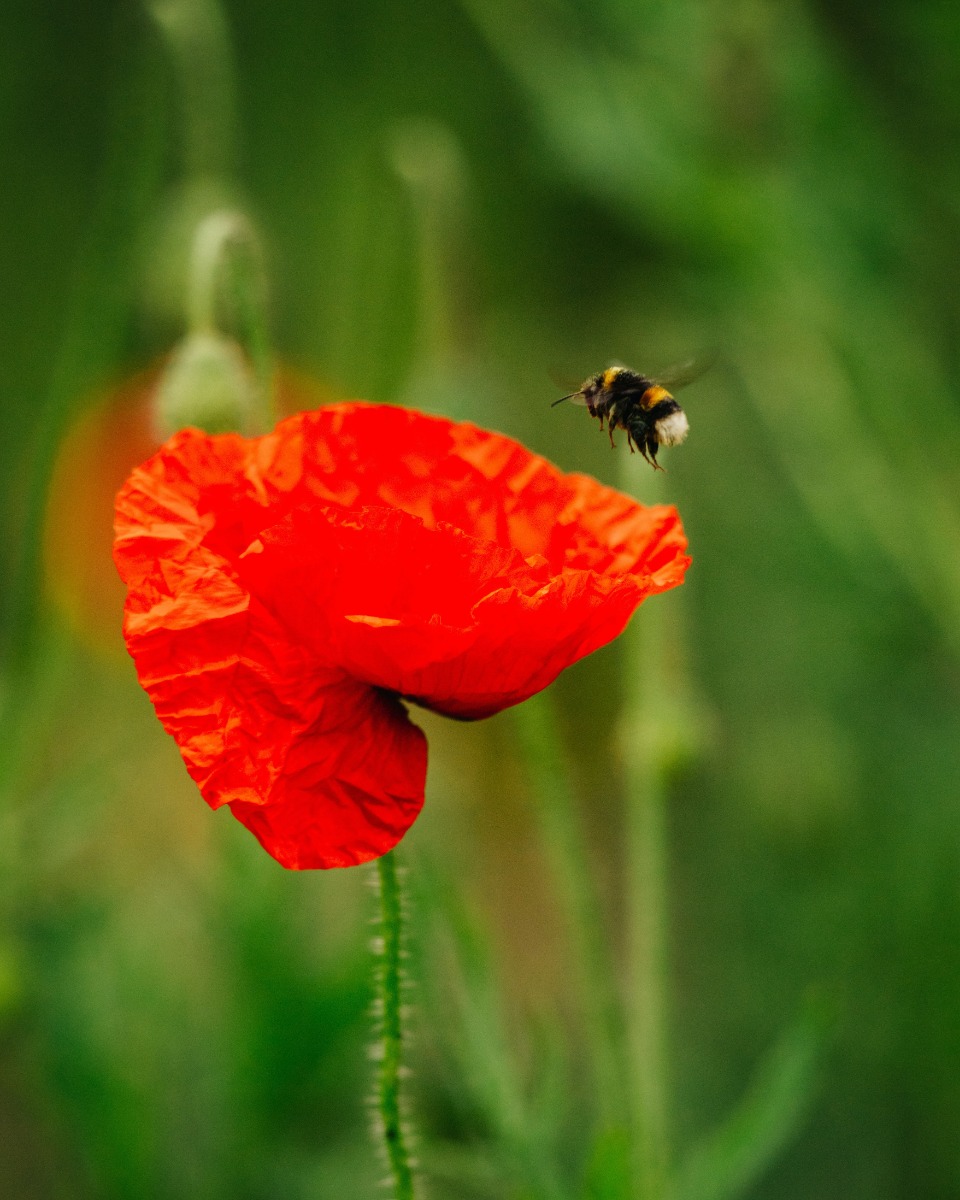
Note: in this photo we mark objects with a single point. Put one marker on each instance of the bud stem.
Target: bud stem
(227, 279)
(198, 42)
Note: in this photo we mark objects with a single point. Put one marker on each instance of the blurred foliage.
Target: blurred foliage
(454, 200)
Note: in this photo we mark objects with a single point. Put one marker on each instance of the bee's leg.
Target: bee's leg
(643, 446)
(651, 456)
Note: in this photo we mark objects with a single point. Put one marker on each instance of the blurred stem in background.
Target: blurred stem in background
(447, 374)
(198, 43)
(429, 161)
(644, 750)
(650, 692)
(548, 765)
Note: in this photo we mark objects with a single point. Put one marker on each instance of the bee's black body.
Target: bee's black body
(640, 406)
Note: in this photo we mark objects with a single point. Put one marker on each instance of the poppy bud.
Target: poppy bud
(207, 384)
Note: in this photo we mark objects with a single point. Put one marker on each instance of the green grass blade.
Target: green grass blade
(770, 1115)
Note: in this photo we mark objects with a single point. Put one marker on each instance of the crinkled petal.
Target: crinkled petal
(459, 624)
(278, 734)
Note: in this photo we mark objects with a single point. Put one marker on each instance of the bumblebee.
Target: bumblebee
(638, 404)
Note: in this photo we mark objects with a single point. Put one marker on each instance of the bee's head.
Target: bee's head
(603, 381)
(595, 386)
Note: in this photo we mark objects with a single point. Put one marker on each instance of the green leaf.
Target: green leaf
(731, 1159)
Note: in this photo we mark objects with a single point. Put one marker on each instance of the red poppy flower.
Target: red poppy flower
(288, 593)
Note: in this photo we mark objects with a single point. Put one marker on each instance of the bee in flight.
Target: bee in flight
(638, 404)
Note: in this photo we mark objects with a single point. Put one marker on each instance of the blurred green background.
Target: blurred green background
(456, 199)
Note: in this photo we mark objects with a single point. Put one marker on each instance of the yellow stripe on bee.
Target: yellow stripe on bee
(610, 375)
(653, 395)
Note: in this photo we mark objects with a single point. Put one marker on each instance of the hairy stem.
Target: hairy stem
(389, 983)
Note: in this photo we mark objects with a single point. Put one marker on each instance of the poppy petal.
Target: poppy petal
(459, 624)
(287, 593)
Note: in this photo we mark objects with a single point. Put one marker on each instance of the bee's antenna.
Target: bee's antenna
(554, 403)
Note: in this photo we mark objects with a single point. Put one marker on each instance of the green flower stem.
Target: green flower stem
(543, 750)
(390, 1012)
(227, 278)
(646, 745)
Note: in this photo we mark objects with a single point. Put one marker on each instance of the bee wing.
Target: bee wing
(573, 388)
(682, 374)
